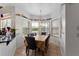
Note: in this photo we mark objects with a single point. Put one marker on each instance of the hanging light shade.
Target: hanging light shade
(1, 15)
(1, 7)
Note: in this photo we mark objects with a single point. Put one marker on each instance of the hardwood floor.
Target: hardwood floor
(53, 50)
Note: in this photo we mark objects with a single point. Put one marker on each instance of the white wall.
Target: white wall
(62, 38)
(60, 22)
(19, 31)
(72, 29)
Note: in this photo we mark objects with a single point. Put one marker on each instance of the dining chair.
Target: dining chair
(47, 43)
(31, 44)
(32, 34)
(43, 33)
(0, 32)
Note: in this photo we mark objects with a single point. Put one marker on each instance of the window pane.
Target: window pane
(45, 26)
(5, 23)
(25, 26)
(35, 26)
(56, 28)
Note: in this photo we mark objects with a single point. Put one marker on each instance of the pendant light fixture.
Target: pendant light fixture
(1, 15)
(1, 7)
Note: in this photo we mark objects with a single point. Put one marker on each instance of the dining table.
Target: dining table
(40, 41)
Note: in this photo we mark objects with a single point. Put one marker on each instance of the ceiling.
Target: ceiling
(34, 9)
(37, 10)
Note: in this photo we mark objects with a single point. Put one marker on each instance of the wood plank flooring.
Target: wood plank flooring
(53, 50)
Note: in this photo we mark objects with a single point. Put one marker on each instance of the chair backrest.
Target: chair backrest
(0, 32)
(31, 42)
(47, 40)
(43, 33)
(32, 34)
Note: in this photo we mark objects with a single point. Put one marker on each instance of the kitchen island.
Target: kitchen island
(7, 50)
(4, 39)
